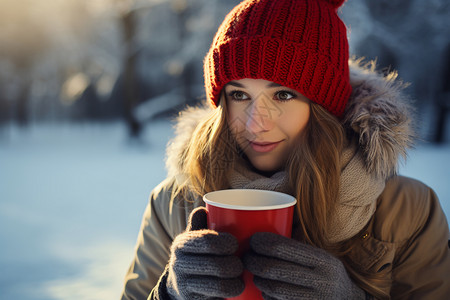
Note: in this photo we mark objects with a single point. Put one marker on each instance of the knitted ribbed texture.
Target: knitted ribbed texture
(301, 44)
(284, 268)
(202, 264)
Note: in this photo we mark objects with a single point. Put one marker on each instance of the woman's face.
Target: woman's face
(265, 118)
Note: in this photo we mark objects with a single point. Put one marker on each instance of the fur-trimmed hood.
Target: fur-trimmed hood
(378, 113)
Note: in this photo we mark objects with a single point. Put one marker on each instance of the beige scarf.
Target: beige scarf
(358, 192)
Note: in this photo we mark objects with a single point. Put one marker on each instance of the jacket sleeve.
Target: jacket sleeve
(158, 228)
(422, 266)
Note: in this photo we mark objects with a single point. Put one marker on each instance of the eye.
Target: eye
(238, 96)
(284, 96)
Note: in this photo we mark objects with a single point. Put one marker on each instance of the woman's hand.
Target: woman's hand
(202, 264)
(284, 268)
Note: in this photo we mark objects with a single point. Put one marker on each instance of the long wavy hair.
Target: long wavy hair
(313, 170)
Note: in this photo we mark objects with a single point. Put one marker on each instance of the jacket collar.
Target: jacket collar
(379, 116)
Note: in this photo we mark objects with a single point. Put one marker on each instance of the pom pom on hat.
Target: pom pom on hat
(300, 44)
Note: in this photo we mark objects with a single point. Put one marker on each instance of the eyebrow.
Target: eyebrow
(237, 84)
(273, 84)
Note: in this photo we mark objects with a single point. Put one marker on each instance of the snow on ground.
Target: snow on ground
(71, 201)
(72, 197)
(431, 165)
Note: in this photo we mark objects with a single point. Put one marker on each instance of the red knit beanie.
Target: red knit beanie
(301, 44)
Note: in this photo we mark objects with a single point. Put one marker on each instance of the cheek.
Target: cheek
(236, 120)
(295, 120)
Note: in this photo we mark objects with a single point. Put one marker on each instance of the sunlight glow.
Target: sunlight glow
(73, 88)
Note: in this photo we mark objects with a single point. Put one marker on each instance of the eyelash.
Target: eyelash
(232, 95)
(292, 95)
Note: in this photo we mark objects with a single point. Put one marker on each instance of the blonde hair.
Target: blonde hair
(314, 174)
(210, 153)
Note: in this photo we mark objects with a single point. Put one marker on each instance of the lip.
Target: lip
(263, 147)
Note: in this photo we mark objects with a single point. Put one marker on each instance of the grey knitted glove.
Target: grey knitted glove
(202, 264)
(284, 268)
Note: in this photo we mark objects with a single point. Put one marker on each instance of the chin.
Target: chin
(265, 167)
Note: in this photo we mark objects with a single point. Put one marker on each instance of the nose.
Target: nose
(260, 116)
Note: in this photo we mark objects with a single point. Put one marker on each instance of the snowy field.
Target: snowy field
(72, 197)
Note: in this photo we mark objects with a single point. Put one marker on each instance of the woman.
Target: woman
(290, 113)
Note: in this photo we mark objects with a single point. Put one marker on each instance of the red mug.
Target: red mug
(243, 212)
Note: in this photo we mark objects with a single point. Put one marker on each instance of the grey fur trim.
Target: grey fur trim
(185, 124)
(378, 114)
